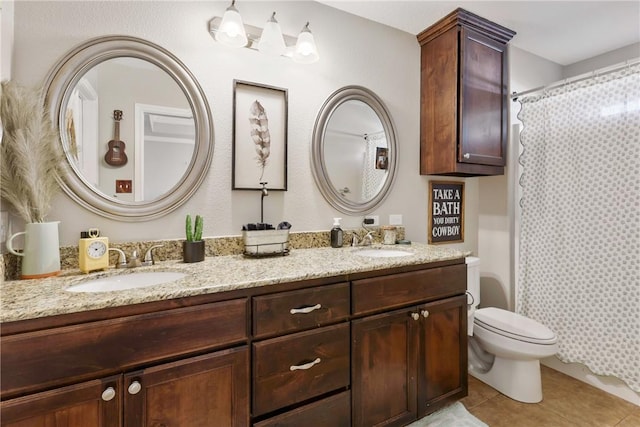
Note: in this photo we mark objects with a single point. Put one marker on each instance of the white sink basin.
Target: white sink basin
(382, 253)
(127, 281)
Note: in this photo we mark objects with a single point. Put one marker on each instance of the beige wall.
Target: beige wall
(352, 50)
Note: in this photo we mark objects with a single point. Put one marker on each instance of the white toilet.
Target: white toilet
(505, 348)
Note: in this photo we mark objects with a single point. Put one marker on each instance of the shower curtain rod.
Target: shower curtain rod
(581, 77)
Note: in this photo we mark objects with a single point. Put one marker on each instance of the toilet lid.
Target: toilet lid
(514, 325)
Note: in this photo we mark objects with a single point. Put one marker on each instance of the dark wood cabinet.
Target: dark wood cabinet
(409, 362)
(333, 411)
(464, 99)
(96, 403)
(380, 347)
(209, 390)
(442, 373)
(307, 361)
(151, 376)
(206, 390)
(384, 362)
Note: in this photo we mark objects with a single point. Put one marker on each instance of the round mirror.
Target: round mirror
(354, 150)
(135, 127)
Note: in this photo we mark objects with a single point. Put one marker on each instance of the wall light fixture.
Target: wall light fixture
(231, 31)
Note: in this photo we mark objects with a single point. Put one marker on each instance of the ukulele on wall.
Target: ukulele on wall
(115, 155)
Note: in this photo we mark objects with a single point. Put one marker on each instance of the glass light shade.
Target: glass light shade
(305, 51)
(271, 41)
(231, 31)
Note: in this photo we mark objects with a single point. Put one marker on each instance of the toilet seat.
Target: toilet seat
(515, 326)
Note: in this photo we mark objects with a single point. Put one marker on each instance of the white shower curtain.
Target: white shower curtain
(579, 268)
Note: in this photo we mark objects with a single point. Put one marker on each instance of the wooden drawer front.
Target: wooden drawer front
(37, 360)
(291, 369)
(297, 310)
(397, 290)
(334, 411)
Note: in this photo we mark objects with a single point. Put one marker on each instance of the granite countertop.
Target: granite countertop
(28, 299)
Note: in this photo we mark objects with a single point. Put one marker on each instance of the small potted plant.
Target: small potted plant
(193, 247)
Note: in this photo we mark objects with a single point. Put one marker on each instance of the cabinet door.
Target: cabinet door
(483, 110)
(95, 403)
(443, 361)
(384, 358)
(209, 390)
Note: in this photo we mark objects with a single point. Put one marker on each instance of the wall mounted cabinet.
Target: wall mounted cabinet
(464, 99)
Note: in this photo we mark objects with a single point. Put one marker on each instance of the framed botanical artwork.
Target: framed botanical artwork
(259, 136)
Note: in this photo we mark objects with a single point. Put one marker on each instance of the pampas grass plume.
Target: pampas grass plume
(30, 153)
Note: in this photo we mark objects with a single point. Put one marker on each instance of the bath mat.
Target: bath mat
(455, 415)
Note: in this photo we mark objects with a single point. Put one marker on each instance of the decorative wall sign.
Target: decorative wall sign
(446, 212)
(259, 137)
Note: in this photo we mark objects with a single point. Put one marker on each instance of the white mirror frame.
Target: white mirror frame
(58, 88)
(318, 165)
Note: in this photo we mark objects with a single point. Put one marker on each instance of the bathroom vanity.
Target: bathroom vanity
(321, 337)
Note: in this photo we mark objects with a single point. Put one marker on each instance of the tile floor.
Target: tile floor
(567, 402)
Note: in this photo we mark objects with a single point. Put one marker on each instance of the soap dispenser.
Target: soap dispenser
(336, 234)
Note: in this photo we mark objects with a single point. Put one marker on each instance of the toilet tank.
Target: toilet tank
(473, 280)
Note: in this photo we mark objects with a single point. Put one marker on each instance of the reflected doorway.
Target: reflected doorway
(164, 140)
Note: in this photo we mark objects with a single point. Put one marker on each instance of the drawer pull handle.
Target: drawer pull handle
(108, 394)
(134, 387)
(425, 313)
(305, 366)
(415, 316)
(305, 310)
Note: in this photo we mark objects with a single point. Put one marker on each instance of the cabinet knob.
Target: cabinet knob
(467, 156)
(108, 394)
(305, 310)
(415, 316)
(425, 313)
(134, 388)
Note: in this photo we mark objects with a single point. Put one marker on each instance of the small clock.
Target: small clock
(93, 254)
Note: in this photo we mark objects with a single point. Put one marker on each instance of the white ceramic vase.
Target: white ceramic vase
(41, 254)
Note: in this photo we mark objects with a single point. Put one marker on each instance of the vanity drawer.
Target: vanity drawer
(90, 350)
(286, 312)
(398, 290)
(291, 369)
(334, 411)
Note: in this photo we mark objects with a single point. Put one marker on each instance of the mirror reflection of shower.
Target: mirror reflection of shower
(355, 151)
(374, 168)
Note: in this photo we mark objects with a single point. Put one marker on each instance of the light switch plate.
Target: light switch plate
(395, 219)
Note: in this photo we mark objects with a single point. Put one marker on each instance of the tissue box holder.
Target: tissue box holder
(258, 243)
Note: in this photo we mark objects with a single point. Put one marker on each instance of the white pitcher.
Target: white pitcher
(41, 255)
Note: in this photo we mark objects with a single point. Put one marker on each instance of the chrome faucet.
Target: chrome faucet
(148, 256)
(122, 258)
(367, 240)
(134, 261)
